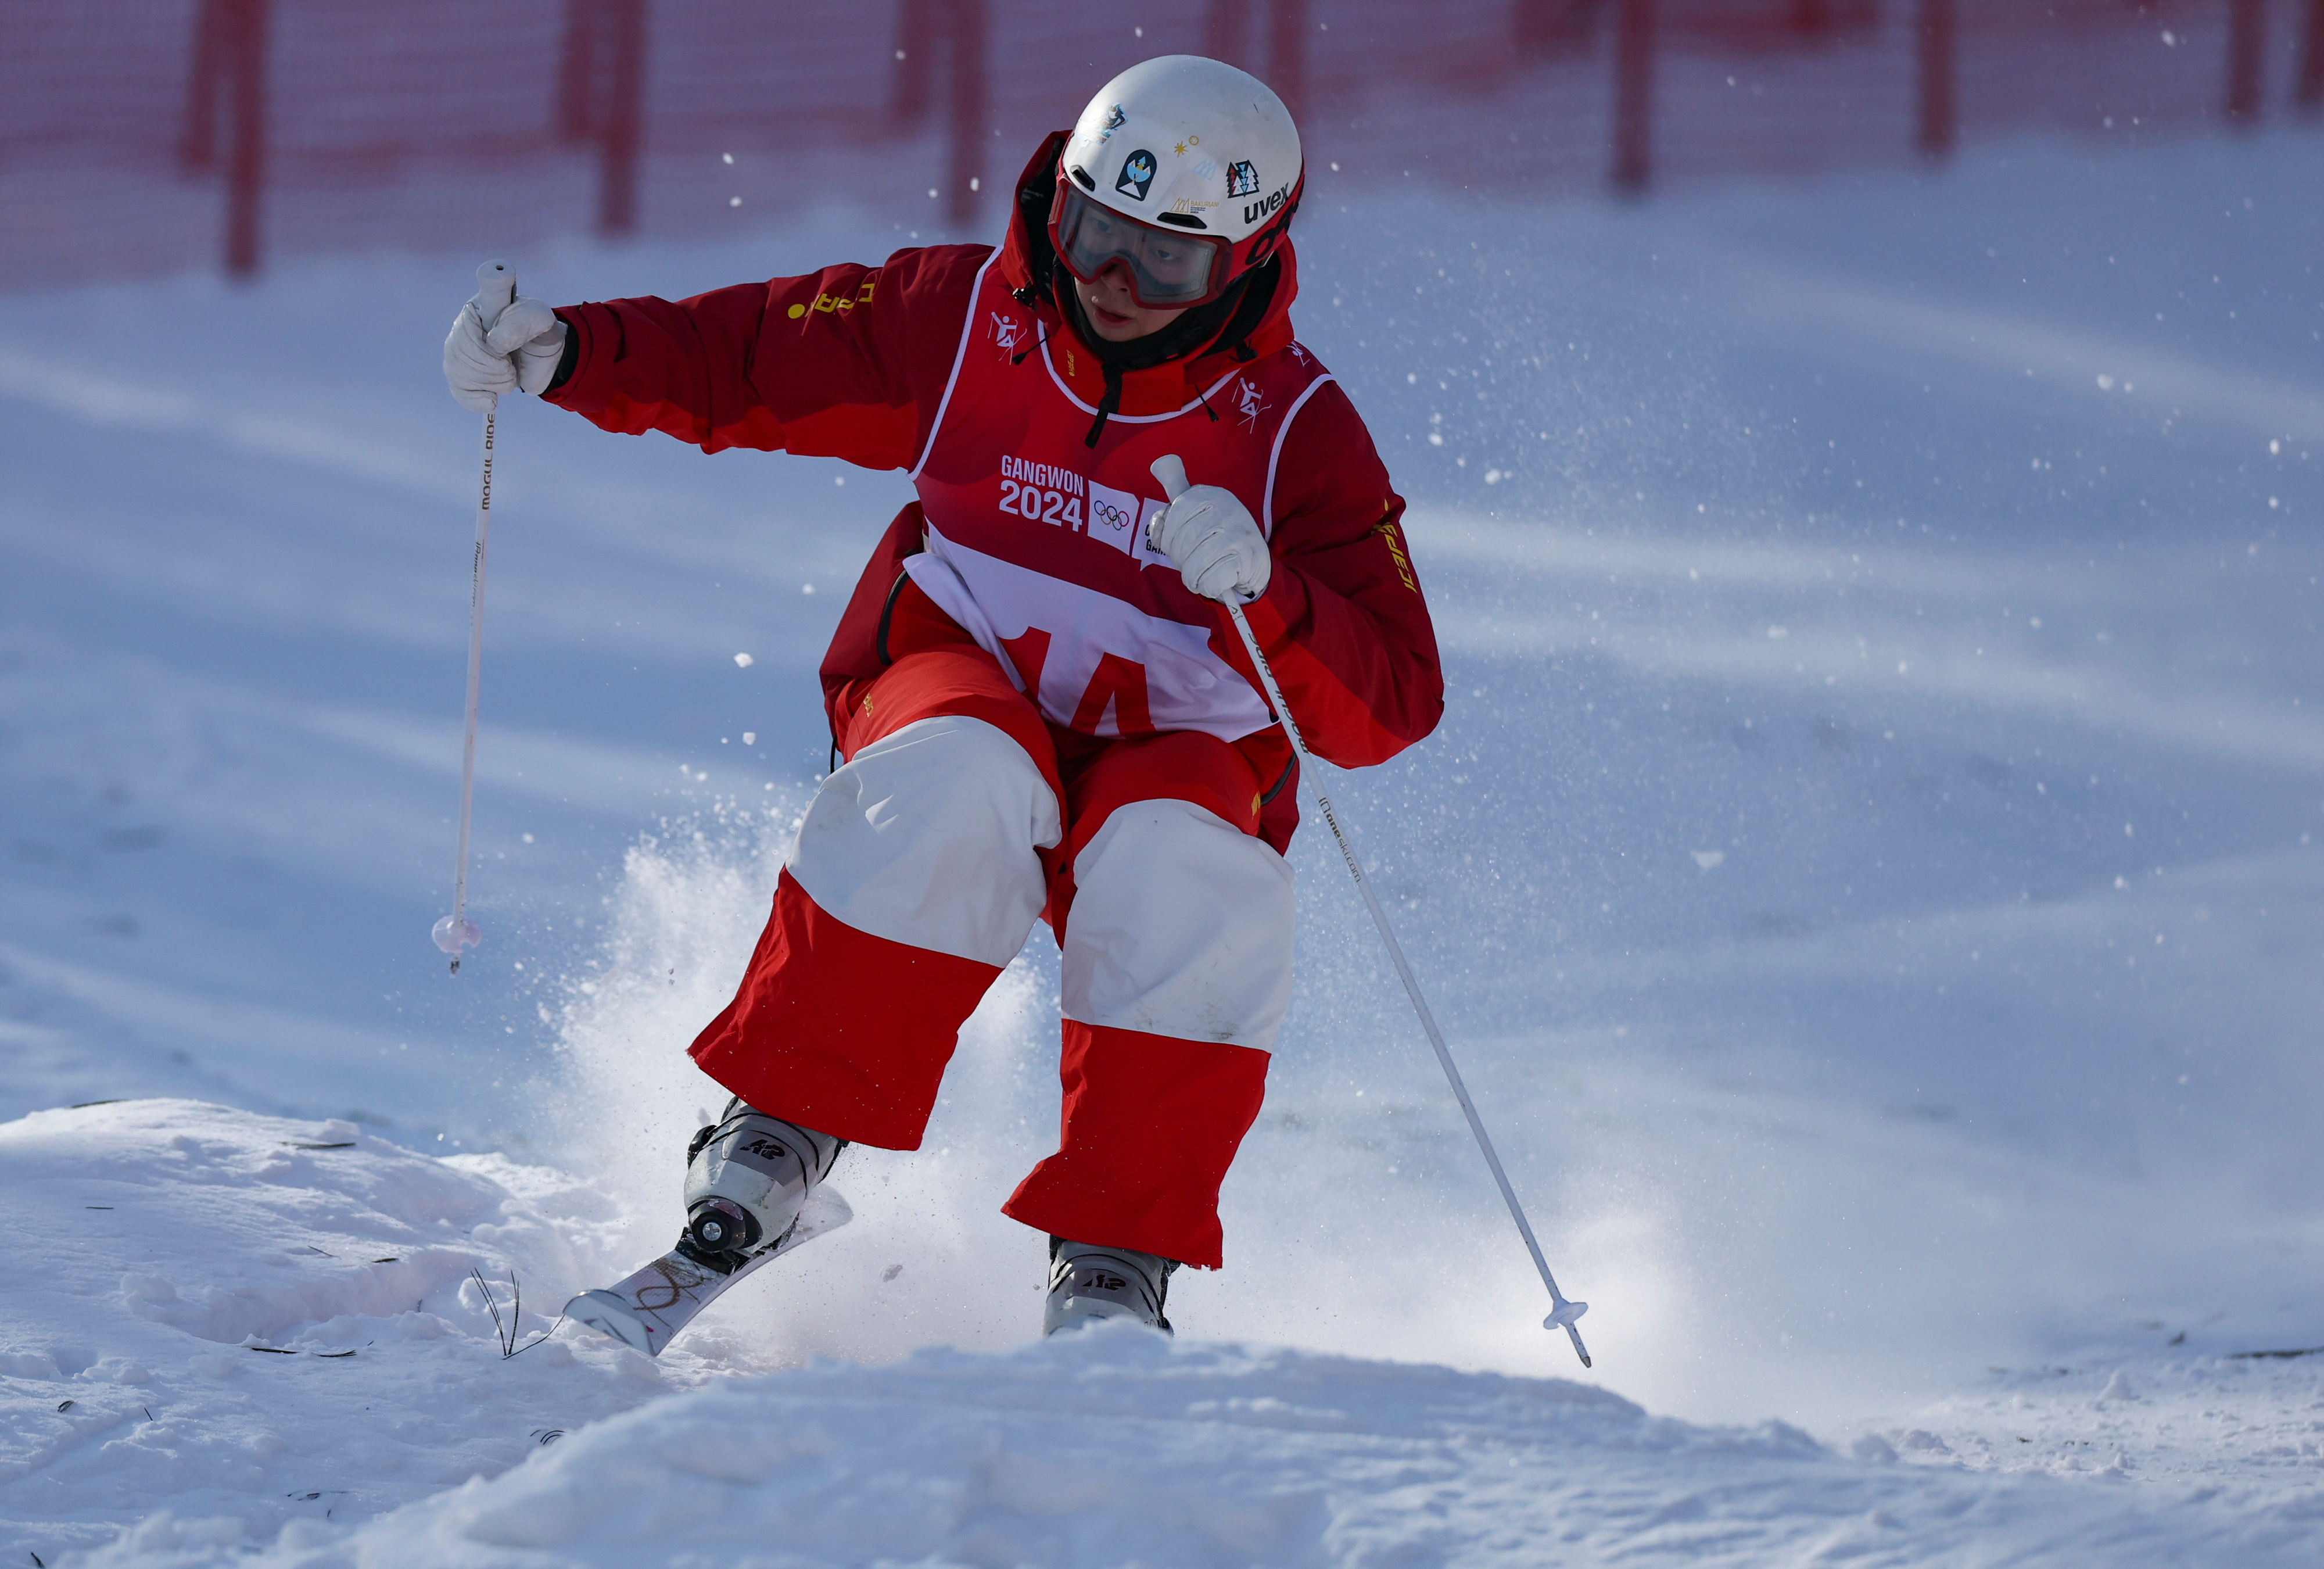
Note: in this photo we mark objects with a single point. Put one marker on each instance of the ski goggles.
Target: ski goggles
(1168, 269)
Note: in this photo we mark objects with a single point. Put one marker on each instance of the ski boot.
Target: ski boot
(747, 1174)
(1088, 1282)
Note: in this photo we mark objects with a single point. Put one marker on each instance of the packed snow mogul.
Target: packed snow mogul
(1042, 706)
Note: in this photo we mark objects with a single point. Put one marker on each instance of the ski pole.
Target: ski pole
(495, 291)
(1172, 472)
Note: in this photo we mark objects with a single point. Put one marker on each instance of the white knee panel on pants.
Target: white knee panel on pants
(1181, 925)
(926, 838)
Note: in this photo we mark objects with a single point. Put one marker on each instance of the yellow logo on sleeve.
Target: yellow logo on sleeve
(1386, 529)
(842, 303)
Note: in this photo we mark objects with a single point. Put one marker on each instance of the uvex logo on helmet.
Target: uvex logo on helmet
(1255, 210)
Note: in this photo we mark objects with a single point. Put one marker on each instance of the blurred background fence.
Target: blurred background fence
(141, 137)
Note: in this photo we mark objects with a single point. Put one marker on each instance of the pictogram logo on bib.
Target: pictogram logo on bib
(1249, 403)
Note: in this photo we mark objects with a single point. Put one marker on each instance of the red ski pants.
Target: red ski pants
(960, 818)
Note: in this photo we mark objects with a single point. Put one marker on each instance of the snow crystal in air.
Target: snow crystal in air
(743, 661)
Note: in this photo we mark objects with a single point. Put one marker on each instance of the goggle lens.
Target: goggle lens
(1167, 269)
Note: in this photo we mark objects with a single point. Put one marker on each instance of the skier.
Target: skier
(1041, 710)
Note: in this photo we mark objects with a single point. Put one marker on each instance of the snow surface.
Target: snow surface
(1867, 872)
(300, 1342)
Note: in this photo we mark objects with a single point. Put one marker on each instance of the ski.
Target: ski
(649, 1309)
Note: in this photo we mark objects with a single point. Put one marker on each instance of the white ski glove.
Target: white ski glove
(1211, 537)
(520, 353)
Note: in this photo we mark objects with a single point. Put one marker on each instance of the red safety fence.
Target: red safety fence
(139, 136)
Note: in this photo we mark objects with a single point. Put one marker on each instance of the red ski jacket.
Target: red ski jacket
(861, 362)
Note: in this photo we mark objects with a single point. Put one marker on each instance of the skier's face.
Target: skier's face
(1113, 311)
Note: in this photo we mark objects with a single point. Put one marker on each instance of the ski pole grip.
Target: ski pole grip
(1172, 472)
(495, 291)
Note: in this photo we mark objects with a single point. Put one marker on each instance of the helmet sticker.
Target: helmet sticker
(1242, 178)
(1137, 174)
(1114, 117)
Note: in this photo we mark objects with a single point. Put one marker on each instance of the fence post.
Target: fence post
(578, 52)
(198, 135)
(1286, 52)
(621, 128)
(1634, 89)
(971, 132)
(911, 81)
(2310, 90)
(227, 78)
(246, 40)
(1937, 128)
(1222, 29)
(2247, 36)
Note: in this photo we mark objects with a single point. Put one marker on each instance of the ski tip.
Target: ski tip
(824, 1211)
(608, 1314)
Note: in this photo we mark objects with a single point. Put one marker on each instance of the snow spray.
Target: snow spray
(495, 291)
(1172, 472)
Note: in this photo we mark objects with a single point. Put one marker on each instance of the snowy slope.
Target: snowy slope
(278, 1338)
(172, 1236)
(1868, 868)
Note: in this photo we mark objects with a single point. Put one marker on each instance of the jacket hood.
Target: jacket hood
(1259, 323)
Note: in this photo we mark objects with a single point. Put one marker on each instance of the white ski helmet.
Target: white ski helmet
(1202, 158)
